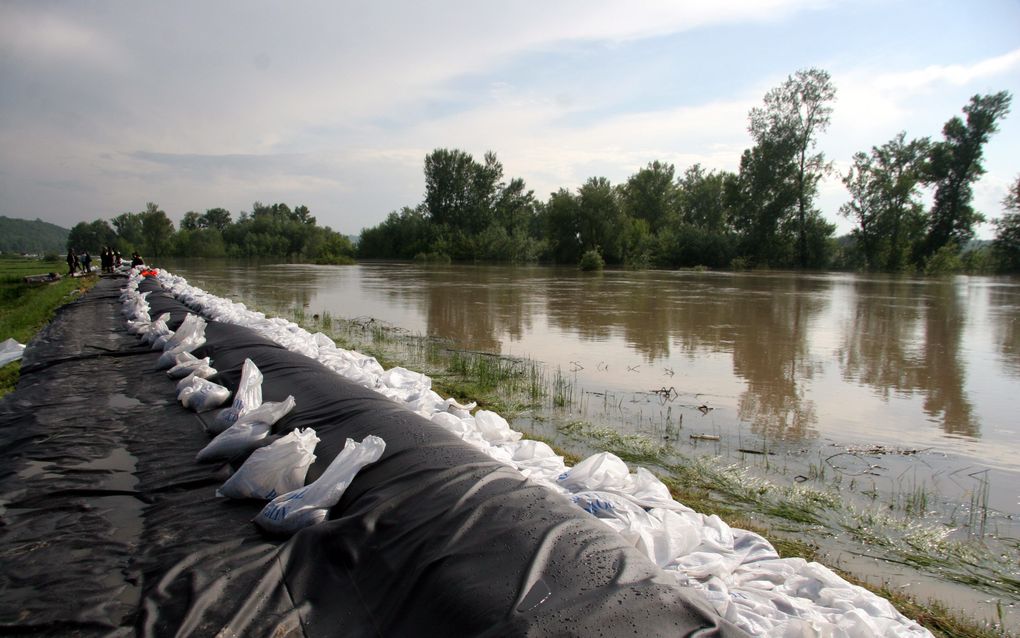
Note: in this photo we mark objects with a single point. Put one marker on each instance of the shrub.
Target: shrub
(592, 260)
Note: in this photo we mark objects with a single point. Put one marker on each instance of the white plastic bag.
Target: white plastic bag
(202, 395)
(248, 396)
(246, 433)
(309, 505)
(188, 337)
(10, 350)
(186, 364)
(192, 328)
(157, 328)
(275, 469)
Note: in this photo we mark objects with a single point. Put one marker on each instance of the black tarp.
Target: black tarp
(111, 526)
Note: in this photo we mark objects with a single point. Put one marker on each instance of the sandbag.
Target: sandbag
(276, 469)
(309, 505)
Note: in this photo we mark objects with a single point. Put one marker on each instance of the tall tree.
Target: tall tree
(650, 194)
(954, 165)
(600, 219)
(884, 186)
(90, 236)
(1007, 230)
(792, 117)
(191, 221)
(702, 200)
(460, 192)
(218, 218)
(157, 231)
(129, 231)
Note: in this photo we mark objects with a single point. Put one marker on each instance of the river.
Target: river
(908, 385)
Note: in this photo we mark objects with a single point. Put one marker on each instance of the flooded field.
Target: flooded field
(876, 416)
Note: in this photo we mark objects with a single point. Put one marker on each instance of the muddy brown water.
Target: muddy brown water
(902, 385)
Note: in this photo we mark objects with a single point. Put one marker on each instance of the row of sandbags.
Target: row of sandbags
(274, 472)
(738, 571)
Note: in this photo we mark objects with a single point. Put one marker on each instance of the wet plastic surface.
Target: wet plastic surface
(110, 525)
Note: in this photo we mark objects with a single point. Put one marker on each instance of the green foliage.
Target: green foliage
(884, 189)
(787, 126)
(36, 237)
(1006, 246)
(945, 261)
(90, 236)
(592, 260)
(954, 164)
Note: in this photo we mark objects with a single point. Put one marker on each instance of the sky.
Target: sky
(105, 106)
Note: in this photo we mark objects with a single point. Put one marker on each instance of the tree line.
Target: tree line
(267, 231)
(762, 215)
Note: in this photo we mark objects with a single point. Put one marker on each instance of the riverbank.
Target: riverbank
(26, 307)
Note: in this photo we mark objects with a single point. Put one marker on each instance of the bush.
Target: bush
(945, 261)
(592, 260)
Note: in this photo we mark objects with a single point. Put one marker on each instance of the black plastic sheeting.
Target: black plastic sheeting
(111, 528)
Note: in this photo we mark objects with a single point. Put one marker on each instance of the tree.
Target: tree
(561, 227)
(90, 236)
(460, 192)
(600, 220)
(218, 218)
(1007, 236)
(761, 200)
(702, 200)
(792, 117)
(954, 165)
(651, 195)
(129, 231)
(157, 231)
(191, 221)
(884, 187)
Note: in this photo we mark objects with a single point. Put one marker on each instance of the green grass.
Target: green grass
(26, 308)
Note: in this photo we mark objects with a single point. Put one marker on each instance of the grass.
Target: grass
(26, 308)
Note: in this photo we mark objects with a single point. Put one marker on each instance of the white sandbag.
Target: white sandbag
(157, 328)
(604, 471)
(10, 350)
(309, 505)
(275, 469)
(246, 433)
(186, 363)
(192, 328)
(248, 396)
(494, 428)
(269, 413)
(187, 338)
(202, 395)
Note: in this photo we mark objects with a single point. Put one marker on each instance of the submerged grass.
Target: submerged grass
(26, 308)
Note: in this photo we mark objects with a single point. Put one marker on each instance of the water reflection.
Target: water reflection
(905, 337)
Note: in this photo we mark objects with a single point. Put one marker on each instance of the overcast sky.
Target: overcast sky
(105, 106)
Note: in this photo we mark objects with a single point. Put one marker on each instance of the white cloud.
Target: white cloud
(45, 37)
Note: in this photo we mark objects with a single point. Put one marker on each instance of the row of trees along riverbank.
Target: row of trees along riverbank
(764, 215)
(268, 231)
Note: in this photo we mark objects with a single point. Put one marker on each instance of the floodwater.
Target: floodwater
(895, 381)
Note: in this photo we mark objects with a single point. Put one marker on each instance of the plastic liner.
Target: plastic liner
(112, 528)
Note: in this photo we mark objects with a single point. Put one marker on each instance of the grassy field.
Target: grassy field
(25, 308)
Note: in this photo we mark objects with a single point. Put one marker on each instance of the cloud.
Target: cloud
(930, 77)
(44, 37)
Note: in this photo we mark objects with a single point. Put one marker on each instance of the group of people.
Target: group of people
(109, 259)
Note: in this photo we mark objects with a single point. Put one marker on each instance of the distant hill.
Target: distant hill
(33, 237)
